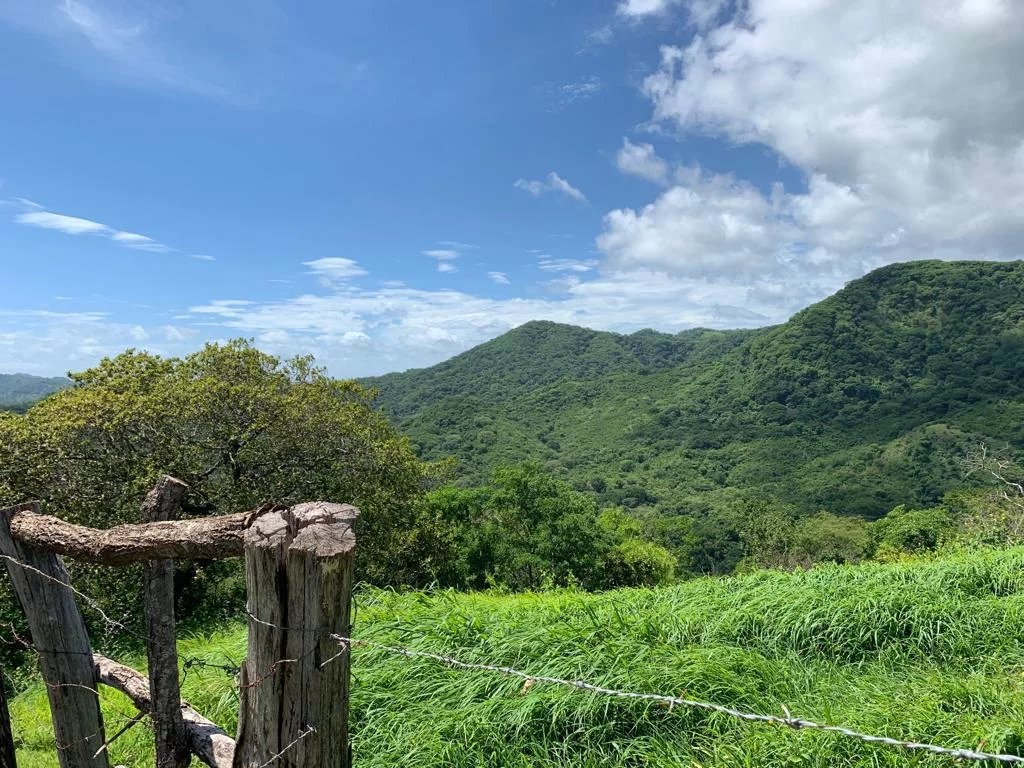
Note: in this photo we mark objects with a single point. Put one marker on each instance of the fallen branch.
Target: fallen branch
(207, 740)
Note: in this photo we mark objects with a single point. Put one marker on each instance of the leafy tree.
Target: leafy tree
(240, 427)
(635, 562)
(910, 531)
(829, 538)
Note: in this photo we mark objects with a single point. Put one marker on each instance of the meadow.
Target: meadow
(928, 649)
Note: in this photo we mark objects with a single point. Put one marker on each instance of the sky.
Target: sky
(385, 184)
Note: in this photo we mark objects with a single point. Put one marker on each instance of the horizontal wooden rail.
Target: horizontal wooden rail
(207, 741)
(203, 537)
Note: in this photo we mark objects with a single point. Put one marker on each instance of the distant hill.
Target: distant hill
(867, 399)
(20, 390)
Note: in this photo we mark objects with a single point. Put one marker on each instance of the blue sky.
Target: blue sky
(386, 184)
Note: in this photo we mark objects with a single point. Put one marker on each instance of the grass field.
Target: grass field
(931, 650)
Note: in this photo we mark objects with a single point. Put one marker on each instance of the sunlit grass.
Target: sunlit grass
(932, 651)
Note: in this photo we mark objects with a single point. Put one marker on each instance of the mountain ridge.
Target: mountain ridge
(857, 403)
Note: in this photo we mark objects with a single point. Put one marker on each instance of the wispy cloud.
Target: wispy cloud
(578, 91)
(596, 38)
(551, 183)
(334, 269)
(499, 277)
(76, 225)
(551, 264)
(445, 256)
(70, 225)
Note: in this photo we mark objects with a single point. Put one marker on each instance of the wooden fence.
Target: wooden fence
(299, 571)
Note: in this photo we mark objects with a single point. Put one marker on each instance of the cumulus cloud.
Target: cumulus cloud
(903, 119)
(641, 160)
(551, 183)
(414, 327)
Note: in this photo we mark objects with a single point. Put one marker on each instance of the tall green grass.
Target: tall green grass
(932, 651)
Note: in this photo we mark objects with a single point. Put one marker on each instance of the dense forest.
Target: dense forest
(863, 401)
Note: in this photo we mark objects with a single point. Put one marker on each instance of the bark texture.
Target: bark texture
(207, 740)
(62, 643)
(201, 538)
(299, 573)
(172, 748)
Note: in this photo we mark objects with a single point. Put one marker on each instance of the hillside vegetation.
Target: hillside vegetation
(929, 650)
(863, 401)
(20, 390)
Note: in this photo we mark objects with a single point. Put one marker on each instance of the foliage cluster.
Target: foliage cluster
(861, 402)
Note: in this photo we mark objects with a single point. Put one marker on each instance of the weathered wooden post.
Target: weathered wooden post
(60, 638)
(6, 734)
(172, 742)
(294, 689)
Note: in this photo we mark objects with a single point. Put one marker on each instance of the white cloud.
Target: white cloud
(71, 225)
(499, 277)
(333, 269)
(552, 183)
(36, 216)
(643, 7)
(444, 257)
(578, 91)
(904, 120)
(551, 264)
(641, 160)
(700, 13)
(410, 327)
(445, 254)
(201, 257)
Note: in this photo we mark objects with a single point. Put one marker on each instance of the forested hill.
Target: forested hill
(541, 353)
(19, 390)
(867, 399)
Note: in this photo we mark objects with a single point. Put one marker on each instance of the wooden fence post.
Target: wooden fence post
(294, 688)
(60, 638)
(172, 743)
(7, 759)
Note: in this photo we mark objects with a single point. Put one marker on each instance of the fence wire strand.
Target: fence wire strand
(529, 678)
(795, 723)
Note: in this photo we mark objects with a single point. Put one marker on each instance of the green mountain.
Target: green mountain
(868, 399)
(20, 390)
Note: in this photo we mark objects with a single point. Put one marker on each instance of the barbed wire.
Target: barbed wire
(529, 679)
(789, 721)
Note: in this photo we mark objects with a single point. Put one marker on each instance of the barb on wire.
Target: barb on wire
(674, 701)
(91, 602)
